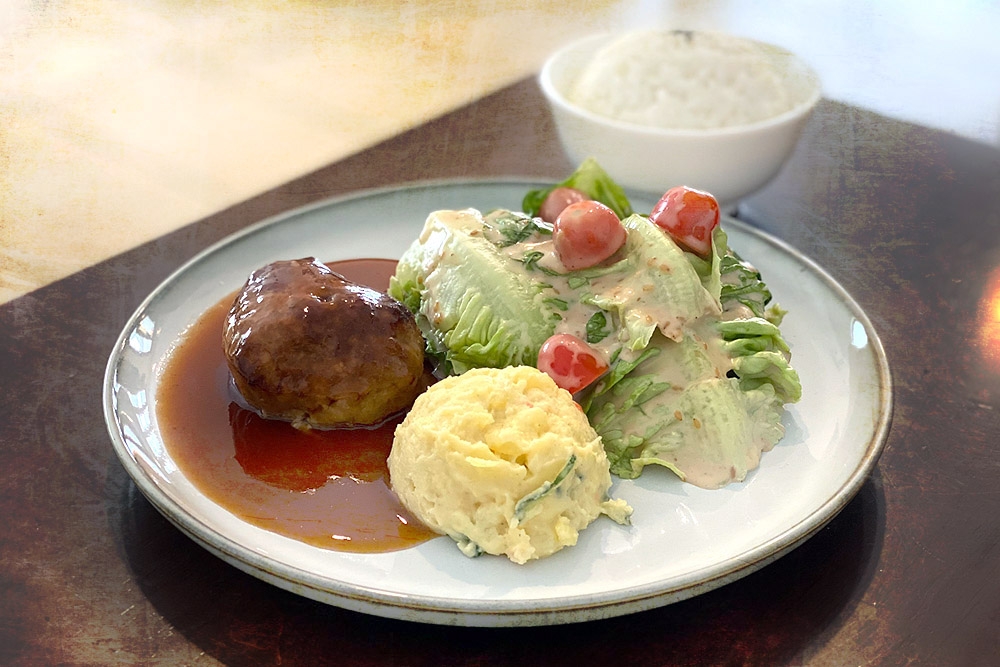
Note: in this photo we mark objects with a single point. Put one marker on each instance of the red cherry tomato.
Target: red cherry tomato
(689, 216)
(586, 233)
(557, 200)
(570, 362)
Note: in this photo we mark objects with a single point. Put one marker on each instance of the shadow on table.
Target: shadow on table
(768, 617)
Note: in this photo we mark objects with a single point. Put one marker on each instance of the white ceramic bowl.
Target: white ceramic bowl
(730, 161)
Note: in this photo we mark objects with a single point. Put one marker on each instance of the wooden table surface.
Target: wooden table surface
(906, 217)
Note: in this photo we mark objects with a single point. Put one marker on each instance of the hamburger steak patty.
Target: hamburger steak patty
(306, 345)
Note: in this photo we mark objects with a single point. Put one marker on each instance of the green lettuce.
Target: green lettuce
(742, 284)
(590, 179)
(472, 308)
(760, 355)
(647, 412)
(656, 287)
(676, 410)
(713, 434)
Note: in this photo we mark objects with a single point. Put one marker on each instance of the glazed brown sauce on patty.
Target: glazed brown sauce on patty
(326, 488)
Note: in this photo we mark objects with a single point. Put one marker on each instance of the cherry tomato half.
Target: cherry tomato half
(689, 216)
(586, 233)
(570, 362)
(557, 200)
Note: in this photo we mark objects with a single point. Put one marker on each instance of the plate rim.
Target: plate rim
(461, 611)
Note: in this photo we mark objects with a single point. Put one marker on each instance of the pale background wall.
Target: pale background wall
(121, 121)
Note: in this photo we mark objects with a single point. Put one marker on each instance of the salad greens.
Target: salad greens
(698, 369)
(591, 178)
(473, 310)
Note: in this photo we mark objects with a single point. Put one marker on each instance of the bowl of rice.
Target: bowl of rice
(658, 108)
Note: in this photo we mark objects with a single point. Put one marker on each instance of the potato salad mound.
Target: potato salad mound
(504, 462)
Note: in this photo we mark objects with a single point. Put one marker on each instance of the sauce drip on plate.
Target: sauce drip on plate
(326, 488)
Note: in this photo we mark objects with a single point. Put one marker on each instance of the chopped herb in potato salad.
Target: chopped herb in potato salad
(666, 337)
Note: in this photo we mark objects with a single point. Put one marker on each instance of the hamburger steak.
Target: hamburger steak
(306, 345)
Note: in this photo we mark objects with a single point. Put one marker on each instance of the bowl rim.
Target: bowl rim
(556, 96)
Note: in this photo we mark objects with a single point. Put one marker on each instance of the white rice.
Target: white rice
(687, 80)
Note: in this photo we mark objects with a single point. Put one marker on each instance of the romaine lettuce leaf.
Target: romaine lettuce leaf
(473, 309)
(742, 283)
(716, 433)
(654, 288)
(709, 270)
(769, 368)
(679, 410)
(760, 355)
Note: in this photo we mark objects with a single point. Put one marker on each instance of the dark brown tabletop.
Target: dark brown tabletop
(906, 218)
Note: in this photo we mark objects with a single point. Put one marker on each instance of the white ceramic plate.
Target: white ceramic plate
(683, 541)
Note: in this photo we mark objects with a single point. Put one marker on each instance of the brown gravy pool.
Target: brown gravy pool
(326, 488)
